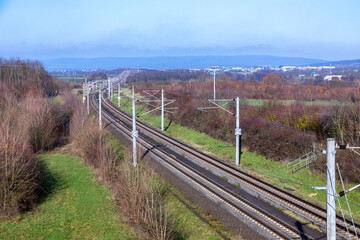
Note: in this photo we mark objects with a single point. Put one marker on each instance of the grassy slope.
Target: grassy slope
(253, 161)
(76, 208)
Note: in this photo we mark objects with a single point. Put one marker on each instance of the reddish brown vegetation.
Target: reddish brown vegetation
(31, 125)
(264, 90)
(28, 123)
(274, 130)
(21, 77)
(19, 170)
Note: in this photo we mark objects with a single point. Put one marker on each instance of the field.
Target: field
(71, 78)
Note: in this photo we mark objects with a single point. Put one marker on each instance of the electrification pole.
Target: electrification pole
(214, 86)
(134, 132)
(238, 133)
(84, 91)
(87, 99)
(214, 68)
(119, 97)
(162, 109)
(100, 95)
(237, 128)
(109, 87)
(330, 190)
(111, 90)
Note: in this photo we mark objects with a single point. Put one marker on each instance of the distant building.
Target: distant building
(288, 68)
(330, 77)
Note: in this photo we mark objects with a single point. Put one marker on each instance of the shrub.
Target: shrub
(142, 197)
(349, 164)
(275, 141)
(43, 122)
(19, 171)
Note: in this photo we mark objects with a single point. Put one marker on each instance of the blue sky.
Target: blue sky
(91, 28)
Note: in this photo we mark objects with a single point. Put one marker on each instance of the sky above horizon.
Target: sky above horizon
(93, 28)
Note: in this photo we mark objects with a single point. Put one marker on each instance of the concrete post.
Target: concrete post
(111, 91)
(119, 97)
(214, 84)
(162, 109)
(84, 91)
(330, 190)
(87, 98)
(100, 95)
(134, 132)
(238, 133)
(109, 87)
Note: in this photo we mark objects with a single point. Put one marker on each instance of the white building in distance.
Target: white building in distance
(330, 77)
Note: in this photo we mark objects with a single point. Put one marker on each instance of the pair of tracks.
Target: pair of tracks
(273, 226)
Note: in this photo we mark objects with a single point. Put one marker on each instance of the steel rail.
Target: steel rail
(313, 213)
(268, 221)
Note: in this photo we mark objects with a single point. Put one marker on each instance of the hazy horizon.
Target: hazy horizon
(90, 29)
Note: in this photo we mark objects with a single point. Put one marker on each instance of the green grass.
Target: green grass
(58, 99)
(255, 162)
(76, 208)
(71, 78)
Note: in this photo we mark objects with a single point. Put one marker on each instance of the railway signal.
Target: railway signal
(237, 115)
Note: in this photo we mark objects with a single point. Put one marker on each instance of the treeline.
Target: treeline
(268, 89)
(178, 75)
(21, 76)
(259, 85)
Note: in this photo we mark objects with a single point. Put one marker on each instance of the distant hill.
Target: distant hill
(165, 63)
(353, 62)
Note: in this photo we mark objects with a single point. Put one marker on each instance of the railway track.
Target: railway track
(264, 222)
(312, 213)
